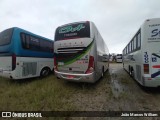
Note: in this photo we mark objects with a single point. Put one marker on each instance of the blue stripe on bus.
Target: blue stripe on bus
(156, 55)
(155, 74)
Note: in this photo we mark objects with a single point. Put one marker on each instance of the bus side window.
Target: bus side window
(51, 47)
(139, 40)
(126, 50)
(46, 46)
(27, 45)
(43, 45)
(25, 40)
(130, 47)
(134, 43)
(34, 43)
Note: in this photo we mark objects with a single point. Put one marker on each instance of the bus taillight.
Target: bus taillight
(90, 65)
(146, 68)
(55, 64)
(13, 62)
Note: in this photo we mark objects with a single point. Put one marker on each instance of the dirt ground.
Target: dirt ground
(117, 91)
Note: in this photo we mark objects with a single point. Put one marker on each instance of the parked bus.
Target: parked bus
(79, 50)
(24, 54)
(119, 58)
(141, 56)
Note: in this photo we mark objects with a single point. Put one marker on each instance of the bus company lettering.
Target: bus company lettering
(71, 29)
(154, 25)
(155, 32)
(71, 34)
(155, 35)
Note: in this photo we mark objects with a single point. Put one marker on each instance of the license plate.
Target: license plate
(70, 76)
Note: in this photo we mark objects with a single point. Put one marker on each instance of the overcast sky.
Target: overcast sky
(116, 20)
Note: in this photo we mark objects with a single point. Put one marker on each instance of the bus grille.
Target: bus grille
(29, 68)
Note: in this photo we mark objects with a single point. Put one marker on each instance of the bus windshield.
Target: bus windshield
(5, 36)
(72, 31)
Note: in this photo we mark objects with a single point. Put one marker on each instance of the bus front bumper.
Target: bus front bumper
(90, 78)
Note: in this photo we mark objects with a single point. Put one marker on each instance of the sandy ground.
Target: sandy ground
(117, 91)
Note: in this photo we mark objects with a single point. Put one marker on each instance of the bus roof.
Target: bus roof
(25, 31)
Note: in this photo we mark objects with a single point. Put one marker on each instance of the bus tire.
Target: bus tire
(45, 72)
(131, 72)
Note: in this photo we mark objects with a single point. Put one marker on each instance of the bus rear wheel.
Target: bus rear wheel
(131, 72)
(45, 72)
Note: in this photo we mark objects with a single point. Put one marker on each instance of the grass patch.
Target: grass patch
(52, 94)
(47, 94)
(123, 95)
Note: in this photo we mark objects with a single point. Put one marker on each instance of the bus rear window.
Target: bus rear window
(5, 36)
(72, 31)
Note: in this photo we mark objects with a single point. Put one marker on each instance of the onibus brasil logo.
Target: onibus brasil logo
(71, 29)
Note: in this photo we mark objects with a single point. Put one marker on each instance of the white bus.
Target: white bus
(119, 58)
(78, 52)
(141, 56)
(24, 54)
